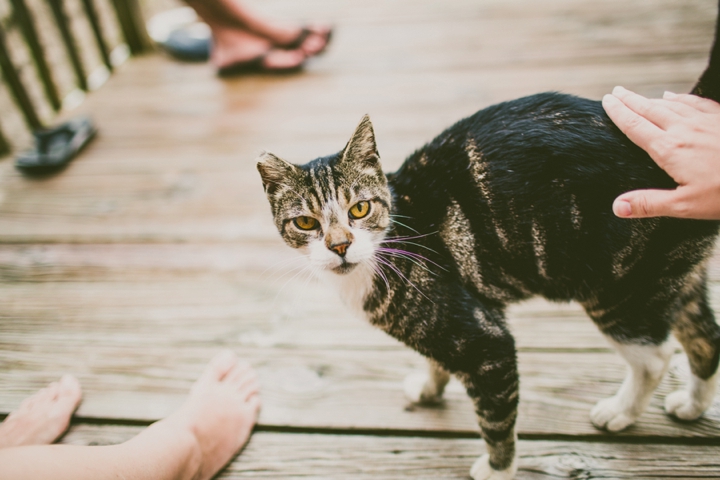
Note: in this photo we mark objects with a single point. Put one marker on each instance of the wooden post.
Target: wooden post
(62, 22)
(92, 16)
(27, 26)
(4, 145)
(16, 87)
(132, 25)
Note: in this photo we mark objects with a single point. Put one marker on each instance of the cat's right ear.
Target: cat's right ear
(274, 171)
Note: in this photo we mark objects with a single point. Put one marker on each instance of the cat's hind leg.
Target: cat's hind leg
(427, 389)
(647, 365)
(699, 334)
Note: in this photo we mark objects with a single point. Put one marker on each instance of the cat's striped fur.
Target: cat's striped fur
(511, 202)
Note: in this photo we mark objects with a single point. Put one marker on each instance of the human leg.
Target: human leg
(195, 442)
(233, 14)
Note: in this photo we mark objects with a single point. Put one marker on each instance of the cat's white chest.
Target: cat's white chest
(353, 287)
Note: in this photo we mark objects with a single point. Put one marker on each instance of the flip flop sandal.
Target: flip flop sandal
(257, 65)
(304, 34)
(55, 147)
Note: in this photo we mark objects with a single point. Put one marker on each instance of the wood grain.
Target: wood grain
(155, 248)
(283, 455)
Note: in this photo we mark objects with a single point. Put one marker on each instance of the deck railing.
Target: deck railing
(52, 51)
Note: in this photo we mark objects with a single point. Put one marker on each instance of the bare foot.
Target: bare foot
(232, 46)
(220, 412)
(43, 417)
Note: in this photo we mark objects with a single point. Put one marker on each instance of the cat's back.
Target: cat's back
(532, 181)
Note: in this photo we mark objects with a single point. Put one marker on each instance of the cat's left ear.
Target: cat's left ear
(362, 146)
(274, 171)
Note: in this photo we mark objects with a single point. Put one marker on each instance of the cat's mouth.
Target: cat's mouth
(344, 268)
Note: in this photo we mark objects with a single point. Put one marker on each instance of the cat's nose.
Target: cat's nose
(340, 248)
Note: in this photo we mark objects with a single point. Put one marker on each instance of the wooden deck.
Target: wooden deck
(156, 248)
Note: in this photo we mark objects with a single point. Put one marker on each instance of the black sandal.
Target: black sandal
(55, 147)
(257, 65)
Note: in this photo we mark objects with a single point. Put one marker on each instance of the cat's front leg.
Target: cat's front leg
(427, 389)
(482, 355)
(496, 410)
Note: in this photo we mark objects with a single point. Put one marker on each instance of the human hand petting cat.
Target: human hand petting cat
(682, 134)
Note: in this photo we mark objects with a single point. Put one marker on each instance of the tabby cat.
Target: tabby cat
(511, 202)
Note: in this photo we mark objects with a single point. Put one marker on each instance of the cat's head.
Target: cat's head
(336, 209)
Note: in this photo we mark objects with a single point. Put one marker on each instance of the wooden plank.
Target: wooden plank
(35, 279)
(161, 118)
(298, 455)
(139, 376)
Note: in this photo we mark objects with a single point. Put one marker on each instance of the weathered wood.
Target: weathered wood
(63, 23)
(94, 20)
(27, 25)
(12, 80)
(282, 455)
(206, 277)
(141, 376)
(162, 119)
(132, 25)
(155, 248)
(4, 145)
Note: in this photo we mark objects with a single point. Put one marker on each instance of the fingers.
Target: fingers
(638, 129)
(646, 203)
(698, 103)
(662, 117)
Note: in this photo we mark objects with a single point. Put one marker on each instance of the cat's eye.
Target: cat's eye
(360, 210)
(305, 223)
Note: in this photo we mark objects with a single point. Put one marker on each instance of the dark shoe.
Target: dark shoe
(191, 43)
(257, 65)
(55, 147)
(180, 32)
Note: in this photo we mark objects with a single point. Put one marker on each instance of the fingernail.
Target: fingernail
(669, 95)
(618, 90)
(622, 208)
(607, 98)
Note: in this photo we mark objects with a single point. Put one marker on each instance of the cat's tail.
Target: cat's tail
(709, 84)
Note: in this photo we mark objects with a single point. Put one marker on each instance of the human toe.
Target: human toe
(219, 366)
(68, 396)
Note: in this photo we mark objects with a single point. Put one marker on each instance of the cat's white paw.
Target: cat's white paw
(421, 390)
(611, 415)
(481, 470)
(681, 404)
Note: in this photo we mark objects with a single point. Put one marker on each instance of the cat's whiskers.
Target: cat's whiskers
(379, 272)
(402, 224)
(281, 263)
(392, 267)
(304, 269)
(415, 258)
